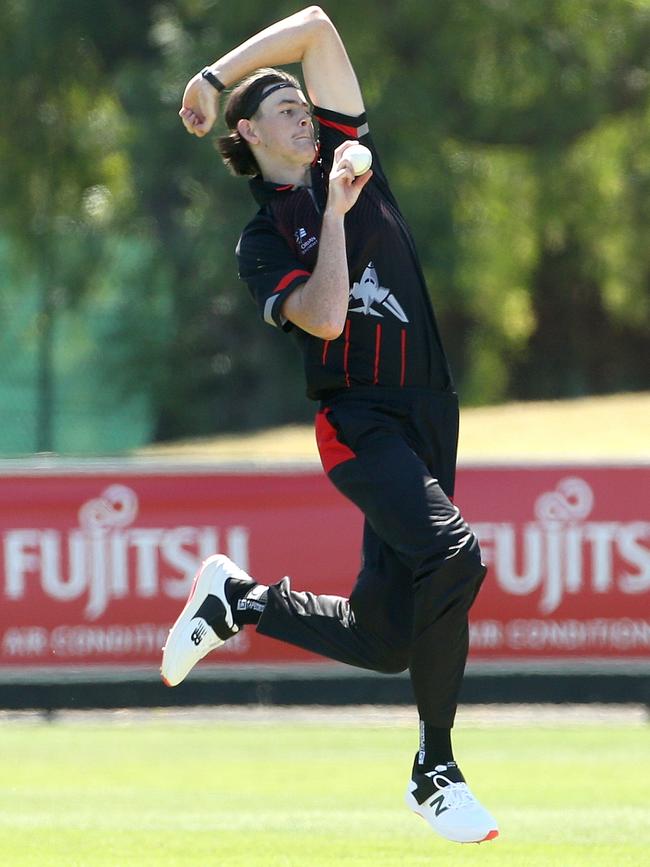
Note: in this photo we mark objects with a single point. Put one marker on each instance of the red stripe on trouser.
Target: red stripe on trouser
(377, 353)
(326, 346)
(332, 451)
(402, 378)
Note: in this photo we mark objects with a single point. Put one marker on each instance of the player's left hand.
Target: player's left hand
(200, 106)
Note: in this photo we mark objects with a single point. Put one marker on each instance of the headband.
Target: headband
(259, 98)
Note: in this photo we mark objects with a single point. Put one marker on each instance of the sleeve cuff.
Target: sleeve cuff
(284, 288)
(352, 127)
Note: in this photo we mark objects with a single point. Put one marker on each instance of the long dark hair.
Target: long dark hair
(243, 102)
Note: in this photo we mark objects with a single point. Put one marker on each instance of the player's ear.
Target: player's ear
(247, 132)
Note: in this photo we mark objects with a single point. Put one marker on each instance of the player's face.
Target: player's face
(284, 125)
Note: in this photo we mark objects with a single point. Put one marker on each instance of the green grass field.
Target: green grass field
(297, 795)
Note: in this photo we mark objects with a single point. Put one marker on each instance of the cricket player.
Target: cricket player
(330, 259)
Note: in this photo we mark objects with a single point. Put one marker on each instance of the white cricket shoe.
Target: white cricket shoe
(205, 622)
(443, 798)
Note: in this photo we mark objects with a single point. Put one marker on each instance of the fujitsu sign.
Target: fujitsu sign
(109, 557)
(563, 553)
(95, 564)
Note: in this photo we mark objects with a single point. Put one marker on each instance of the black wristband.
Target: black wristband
(213, 80)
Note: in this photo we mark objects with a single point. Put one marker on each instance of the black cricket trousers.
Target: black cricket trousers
(392, 452)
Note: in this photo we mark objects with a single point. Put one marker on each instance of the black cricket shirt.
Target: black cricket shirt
(390, 336)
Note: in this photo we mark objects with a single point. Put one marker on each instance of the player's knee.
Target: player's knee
(478, 576)
(458, 577)
(460, 544)
(469, 568)
(474, 561)
(394, 666)
(394, 660)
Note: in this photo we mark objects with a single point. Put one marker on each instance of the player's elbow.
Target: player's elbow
(311, 307)
(331, 329)
(317, 19)
(314, 13)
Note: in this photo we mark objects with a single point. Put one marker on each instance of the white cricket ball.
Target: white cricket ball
(360, 157)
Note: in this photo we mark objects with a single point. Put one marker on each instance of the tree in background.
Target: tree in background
(61, 173)
(515, 135)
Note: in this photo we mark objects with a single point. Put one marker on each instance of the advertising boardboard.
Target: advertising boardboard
(96, 562)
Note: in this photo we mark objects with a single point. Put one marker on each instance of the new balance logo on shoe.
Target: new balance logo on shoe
(197, 636)
(438, 803)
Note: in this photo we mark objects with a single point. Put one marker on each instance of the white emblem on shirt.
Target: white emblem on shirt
(369, 293)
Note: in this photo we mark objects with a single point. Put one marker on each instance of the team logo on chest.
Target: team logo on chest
(304, 241)
(371, 296)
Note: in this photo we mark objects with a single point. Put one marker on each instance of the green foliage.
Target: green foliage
(515, 135)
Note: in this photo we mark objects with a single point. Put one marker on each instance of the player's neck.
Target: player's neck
(296, 176)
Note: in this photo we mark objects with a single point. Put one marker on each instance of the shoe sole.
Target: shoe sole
(412, 804)
(202, 577)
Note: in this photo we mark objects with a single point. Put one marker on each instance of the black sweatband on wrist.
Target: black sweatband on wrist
(212, 79)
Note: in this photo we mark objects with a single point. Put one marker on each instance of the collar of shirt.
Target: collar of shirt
(264, 191)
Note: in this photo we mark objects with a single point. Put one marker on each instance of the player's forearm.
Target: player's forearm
(287, 41)
(320, 305)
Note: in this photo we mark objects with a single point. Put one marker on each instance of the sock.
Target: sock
(435, 746)
(247, 600)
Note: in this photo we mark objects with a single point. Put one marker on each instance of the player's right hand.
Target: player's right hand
(344, 187)
(200, 106)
